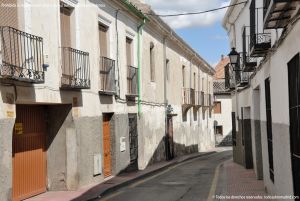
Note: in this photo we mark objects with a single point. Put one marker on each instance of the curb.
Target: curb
(148, 174)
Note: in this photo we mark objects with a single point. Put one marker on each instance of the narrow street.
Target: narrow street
(192, 180)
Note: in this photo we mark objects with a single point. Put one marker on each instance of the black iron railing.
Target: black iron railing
(22, 56)
(107, 75)
(132, 80)
(248, 63)
(188, 96)
(199, 98)
(243, 78)
(75, 69)
(208, 100)
(260, 41)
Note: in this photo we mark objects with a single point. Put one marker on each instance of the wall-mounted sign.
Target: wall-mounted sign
(19, 128)
(10, 114)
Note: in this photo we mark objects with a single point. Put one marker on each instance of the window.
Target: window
(103, 40)
(129, 51)
(152, 63)
(183, 76)
(219, 130)
(65, 25)
(269, 127)
(294, 102)
(217, 107)
(168, 68)
(195, 81)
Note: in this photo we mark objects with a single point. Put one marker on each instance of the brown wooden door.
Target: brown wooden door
(29, 156)
(9, 14)
(106, 147)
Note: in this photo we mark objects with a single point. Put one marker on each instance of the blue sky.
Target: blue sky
(204, 32)
(210, 42)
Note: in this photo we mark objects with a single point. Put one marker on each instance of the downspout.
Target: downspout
(139, 29)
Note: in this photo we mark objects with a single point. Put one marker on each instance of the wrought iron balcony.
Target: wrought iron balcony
(107, 76)
(248, 63)
(279, 12)
(188, 96)
(208, 100)
(132, 81)
(229, 78)
(21, 56)
(75, 69)
(242, 78)
(260, 43)
(199, 98)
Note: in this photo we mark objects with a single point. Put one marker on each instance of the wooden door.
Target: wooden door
(106, 146)
(29, 155)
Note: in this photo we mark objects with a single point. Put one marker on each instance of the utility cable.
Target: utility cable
(196, 13)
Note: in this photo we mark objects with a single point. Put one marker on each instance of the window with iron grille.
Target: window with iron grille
(269, 127)
(294, 110)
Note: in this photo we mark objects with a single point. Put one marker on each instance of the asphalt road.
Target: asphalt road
(194, 180)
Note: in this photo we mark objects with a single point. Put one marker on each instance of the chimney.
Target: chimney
(222, 57)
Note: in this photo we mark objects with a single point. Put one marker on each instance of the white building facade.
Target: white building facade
(93, 88)
(265, 124)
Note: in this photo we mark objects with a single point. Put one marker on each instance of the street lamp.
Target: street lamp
(234, 58)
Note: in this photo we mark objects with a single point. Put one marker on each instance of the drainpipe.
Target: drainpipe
(139, 28)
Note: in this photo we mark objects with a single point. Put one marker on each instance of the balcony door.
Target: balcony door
(103, 39)
(9, 15)
(294, 108)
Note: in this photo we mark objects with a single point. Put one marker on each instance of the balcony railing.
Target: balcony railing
(188, 96)
(75, 69)
(248, 63)
(208, 100)
(260, 43)
(278, 13)
(199, 98)
(132, 81)
(22, 56)
(107, 76)
(242, 78)
(229, 78)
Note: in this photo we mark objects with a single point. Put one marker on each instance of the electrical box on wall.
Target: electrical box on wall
(97, 164)
(122, 144)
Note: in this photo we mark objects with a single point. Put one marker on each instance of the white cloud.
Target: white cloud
(183, 6)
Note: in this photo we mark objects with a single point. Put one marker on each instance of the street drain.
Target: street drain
(173, 183)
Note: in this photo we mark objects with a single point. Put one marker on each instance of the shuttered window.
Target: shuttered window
(103, 39)
(9, 13)
(294, 109)
(269, 128)
(65, 26)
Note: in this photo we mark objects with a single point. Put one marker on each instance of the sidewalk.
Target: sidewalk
(237, 181)
(93, 191)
